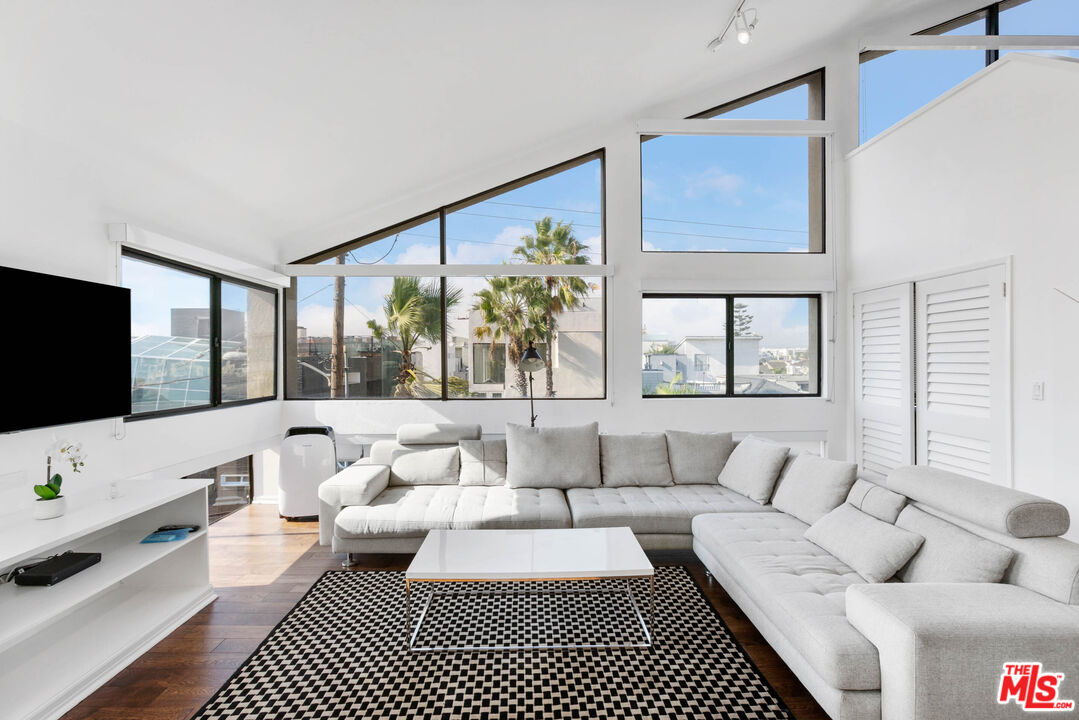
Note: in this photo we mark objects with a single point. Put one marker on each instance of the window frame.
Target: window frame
(215, 279)
(729, 300)
(444, 271)
(821, 153)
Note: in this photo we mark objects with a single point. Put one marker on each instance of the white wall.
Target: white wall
(55, 203)
(988, 172)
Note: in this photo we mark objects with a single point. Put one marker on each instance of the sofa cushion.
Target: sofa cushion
(557, 457)
(951, 554)
(634, 460)
(413, 511)
(753, 467)
(875, 549)
(652, 510)
(697, 458)
(798, 586)
(1002, 509)
(872, 499)
(437, 466)
(483, 462)
(813, 486)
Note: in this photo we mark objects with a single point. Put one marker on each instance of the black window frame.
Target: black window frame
(730, 299)
(440, 213)
(819, 149)
(215, 279)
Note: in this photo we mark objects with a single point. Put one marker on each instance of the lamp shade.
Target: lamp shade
(531, 361)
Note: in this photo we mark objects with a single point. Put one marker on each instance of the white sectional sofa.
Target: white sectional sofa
(898, 601)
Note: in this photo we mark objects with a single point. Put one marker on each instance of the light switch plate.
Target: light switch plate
(1039, 391)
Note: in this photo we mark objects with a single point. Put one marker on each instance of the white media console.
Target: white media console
(58, 644)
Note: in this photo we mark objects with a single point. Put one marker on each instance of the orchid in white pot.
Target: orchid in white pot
(51, 503)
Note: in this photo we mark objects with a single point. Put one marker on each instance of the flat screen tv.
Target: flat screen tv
(66, 350)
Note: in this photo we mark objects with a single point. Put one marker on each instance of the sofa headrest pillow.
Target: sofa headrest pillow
(698, 458)
(813, 486)
(990, 506)
(871, 547)
(437, 433)
(555, 457)
(483, 462)
(634, 460)
(437, 466)
(753, 468)
(950, 554)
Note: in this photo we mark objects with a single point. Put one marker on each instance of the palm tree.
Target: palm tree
(507, 307)
(413, 315)
(555, 244)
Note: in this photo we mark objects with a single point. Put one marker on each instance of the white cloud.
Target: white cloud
(680, 317)
(715, 181)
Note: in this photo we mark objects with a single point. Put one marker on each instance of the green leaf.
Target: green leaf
(45, 491)
(56, 480)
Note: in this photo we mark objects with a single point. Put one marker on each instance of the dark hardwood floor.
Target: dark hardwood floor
(261, 566)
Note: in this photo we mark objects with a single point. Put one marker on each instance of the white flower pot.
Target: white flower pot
(47, 509)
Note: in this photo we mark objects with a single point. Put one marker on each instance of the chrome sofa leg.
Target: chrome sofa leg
(351, 560)
(708, 574)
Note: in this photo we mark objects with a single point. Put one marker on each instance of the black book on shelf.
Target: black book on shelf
(61, 567)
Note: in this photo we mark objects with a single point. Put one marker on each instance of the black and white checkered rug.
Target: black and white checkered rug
(342, 653)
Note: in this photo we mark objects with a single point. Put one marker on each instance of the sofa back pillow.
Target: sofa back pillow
(813, 486)
(437, 466)
(871, 547)
(483, 462)
(950, 553)
(753, 467)
(559, 457)
(634, 460)
(697, 458)
(875, 500)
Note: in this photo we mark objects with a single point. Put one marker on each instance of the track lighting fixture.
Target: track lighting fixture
(743, 21)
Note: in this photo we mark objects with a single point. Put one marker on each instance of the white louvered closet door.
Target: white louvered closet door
(962, 377)
(883, 379)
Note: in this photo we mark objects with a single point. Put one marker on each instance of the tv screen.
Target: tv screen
(66, 355)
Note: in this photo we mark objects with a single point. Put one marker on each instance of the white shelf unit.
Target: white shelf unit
(58, 644)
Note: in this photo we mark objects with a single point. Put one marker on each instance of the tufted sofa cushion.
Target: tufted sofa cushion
(652, 510)
(412, 511)
(799, 586)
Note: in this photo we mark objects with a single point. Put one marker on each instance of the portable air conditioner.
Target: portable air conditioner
(308, 457)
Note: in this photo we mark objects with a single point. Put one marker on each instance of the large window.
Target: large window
(726, 345)
(452, 331)
(731, 193)
(895, 84)
(198, 340)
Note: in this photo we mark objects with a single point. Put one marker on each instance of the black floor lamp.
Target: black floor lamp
(531, 362)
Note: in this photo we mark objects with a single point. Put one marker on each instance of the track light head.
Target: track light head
(743, 22)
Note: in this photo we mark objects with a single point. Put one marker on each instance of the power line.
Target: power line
(645, 217)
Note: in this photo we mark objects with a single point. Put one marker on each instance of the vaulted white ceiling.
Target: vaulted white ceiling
(303, 113)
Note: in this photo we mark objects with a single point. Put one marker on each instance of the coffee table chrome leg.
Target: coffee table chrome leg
(408, 611)
(415, 632)
(652, 605)
(640, 617)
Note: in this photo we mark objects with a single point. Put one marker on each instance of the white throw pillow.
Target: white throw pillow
(813, 486)
(697, 458)
(558, 457)
(950, 553)
(437, 466)
(634, 460)
(483, 462)
(753, 467)
(871, 547)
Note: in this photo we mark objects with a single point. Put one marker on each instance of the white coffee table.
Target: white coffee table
(529, 556)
